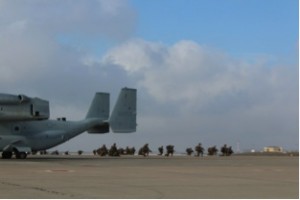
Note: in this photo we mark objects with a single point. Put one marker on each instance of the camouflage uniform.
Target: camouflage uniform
(170, 150)
(199, 149)
(189, 151)
(144, 150)
(161, 150)
(113, 151)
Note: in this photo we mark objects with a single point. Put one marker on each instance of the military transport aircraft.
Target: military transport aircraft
(25, 125)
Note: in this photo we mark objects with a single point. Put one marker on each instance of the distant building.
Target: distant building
(273, 149)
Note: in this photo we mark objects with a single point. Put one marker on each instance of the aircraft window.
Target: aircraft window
(1, 108)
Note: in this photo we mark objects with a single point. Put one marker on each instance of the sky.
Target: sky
(215, 72)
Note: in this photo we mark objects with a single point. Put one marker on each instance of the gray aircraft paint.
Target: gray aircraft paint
(23, 129)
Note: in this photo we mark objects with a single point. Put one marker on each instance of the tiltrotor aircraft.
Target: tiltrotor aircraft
(25, 125)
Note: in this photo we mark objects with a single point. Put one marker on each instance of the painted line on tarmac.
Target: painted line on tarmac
(59, 171)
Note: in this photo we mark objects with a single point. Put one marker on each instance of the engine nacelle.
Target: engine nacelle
(23, 98)
(8, 99)
(21, 107)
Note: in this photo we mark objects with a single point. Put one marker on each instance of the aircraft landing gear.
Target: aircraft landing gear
(6, 154)
(9, 154)
(21, 155)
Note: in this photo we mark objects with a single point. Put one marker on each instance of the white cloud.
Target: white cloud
(113, 19)
(188, 73)
(208, 94)
(135, 55)
(29, 30)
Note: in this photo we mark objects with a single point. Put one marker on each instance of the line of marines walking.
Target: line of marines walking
(145, 150)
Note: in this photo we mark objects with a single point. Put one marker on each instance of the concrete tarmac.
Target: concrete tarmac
(151, 177)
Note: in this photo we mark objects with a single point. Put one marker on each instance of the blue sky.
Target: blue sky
(242, 28)
(239, 27)
(206, 71)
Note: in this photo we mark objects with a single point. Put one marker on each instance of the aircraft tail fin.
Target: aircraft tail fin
(99, 107)
(123, 117)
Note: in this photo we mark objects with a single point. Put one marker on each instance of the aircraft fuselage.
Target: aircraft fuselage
(44, 134)
(25, 124)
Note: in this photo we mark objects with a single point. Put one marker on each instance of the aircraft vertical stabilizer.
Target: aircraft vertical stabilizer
(123, 117)
(99, 107)
(99, 110)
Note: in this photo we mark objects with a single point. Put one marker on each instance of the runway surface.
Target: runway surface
(151, 177)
